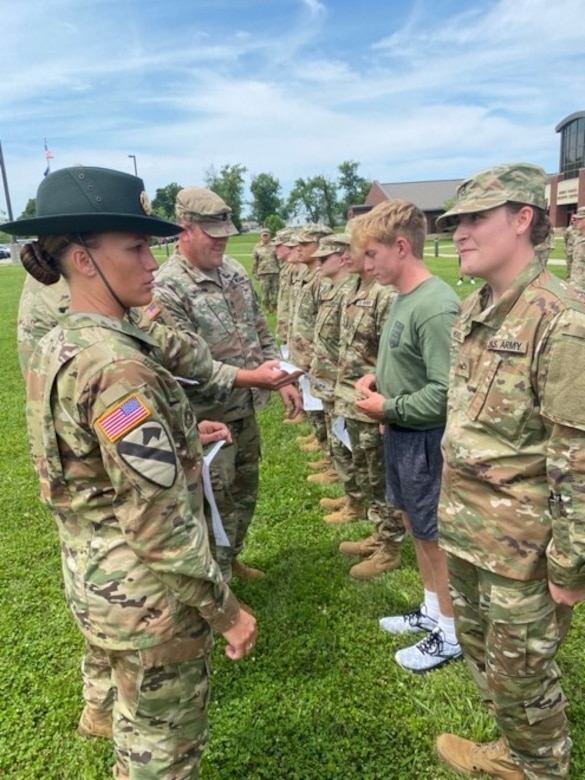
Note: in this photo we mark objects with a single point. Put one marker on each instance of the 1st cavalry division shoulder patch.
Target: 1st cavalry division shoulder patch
(122, 417)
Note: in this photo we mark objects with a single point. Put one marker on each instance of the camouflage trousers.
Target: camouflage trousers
(317, 423)
(96, 673)
(160, 714)
(370, 474)
(341, 458)
(269, 290)
(510, 631)
(234, 476)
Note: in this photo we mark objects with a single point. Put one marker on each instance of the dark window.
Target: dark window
(573, 148)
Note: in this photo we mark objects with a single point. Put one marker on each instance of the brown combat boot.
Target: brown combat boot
(300, 418)
(476, 758)
(244, 572)
(324, 478)
(384, 558)
(314, 446)
(333, 503)
(364, 547)
(353, 510)
(319, 465)
(95, 723)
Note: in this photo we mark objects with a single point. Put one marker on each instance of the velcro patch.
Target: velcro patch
(507, 345)
(152, 310)
(149, 452)
(122, 417)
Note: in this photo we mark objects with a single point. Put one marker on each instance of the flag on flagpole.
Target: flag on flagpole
(48, 157)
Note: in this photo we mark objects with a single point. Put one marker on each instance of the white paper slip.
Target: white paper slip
(221, 539)
(340, 430)
(284, 351)
(289, 367)
(310, 403)
(184, 380)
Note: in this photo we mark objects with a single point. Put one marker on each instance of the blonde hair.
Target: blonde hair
(389, 221)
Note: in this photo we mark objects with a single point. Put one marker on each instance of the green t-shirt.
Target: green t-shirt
(412, 371)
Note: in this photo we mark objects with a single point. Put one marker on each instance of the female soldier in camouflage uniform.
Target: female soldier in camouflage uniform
(116, 449)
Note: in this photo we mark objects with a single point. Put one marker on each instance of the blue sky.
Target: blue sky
(413, 90)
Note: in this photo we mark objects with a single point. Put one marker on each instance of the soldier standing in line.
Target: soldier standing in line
(577, 278)
(331, 253)
(512, 499)
(266, 269)
(208, 293)
(283, 251)
(118, 457)
(364, 310)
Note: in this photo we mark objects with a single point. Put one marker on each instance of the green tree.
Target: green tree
(30, 210)
(273, 223)
(229, 185)
(266, 200)
(353, 186)
(316, 198)
(164, 200)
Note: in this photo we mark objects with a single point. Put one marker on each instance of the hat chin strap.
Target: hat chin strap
(108, 286)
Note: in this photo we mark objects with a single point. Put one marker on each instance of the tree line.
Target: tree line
(317, 198)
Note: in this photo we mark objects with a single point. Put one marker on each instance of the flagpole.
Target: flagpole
(14, 256)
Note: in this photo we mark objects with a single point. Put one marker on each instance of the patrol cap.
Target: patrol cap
(335, 244)
(313, 232)
(580, 213)
(206, 209)
(516, 182)
(292, 240)
(83, 199)
(265, 232)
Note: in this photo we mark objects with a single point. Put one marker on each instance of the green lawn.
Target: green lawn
(320, 699)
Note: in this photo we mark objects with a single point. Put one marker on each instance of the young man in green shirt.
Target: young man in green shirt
(409, 393)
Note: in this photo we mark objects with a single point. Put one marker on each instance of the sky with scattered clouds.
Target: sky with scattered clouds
(412, 89)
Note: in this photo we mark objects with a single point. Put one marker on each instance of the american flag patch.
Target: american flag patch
(152, 310)
(122, 417)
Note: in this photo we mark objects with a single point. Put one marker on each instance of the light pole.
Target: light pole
(133, 156)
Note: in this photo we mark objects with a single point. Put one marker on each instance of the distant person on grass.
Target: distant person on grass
(513, 491)
(408, 392)
(118, 456)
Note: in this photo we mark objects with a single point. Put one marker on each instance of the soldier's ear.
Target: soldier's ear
(81, 262)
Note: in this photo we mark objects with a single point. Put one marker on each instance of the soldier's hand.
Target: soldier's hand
(241, 637)
(209, 431)
(565, 596)
(372, 404)
(266, 376)
(367, 382)
(291, 400)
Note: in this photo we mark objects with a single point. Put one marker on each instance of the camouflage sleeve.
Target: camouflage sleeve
(156, 499)
(255, 261)
(428, 405)
(184, 352)
(265, 337)
(562, 389)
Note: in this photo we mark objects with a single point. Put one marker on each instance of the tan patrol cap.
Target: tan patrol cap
(208, 210)
(313, 232)
(335, 244)
(580, 213)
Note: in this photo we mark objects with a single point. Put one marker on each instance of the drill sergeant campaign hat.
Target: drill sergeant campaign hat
(91, 200)
(512, 182)
(206, 209)
(335, 244)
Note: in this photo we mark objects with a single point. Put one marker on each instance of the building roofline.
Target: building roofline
(568, 119)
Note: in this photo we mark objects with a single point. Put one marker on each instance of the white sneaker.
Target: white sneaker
(472, 280)
(418, 620)
(430, 653)
(459, 282)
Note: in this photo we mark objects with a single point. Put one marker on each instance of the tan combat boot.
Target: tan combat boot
(353, 510)
(384, 558)
(476, 758)
(307, 439)
(95, 723)
(300, 418)
(324, 478)
(333, 503)
(364, 547)
(244, 572)
(319, 465)
(312, 447)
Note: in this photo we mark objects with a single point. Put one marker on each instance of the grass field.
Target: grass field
(320, 699)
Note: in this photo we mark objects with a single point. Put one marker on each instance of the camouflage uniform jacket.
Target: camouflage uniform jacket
(325, 361)
(513, 488)
(308, 290)
(226, 314)
(283, 300)
(569, 238)
(578, 266)
(264, 260)
(116, 449)
(42, 307)
(363, 314)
